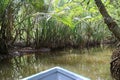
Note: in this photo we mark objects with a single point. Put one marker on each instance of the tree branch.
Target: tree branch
(112, 25)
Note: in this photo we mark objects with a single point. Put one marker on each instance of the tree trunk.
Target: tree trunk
(112, 25)
(114, 28)
(3, 47)
(3, 35)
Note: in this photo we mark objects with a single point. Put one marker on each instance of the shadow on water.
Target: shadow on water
(89, 63)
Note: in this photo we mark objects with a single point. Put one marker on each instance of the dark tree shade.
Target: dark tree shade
(3, 47)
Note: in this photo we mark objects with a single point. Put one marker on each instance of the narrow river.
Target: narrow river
(92, 63)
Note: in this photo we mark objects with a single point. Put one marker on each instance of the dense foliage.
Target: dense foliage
(54, 23)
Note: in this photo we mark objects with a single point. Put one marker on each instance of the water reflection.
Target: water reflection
(75, 60)
(5, 70)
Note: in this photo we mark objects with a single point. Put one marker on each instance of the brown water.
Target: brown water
(93, 63)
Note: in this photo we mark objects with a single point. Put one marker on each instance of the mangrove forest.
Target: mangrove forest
(82, 36)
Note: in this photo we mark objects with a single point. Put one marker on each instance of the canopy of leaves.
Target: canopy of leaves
(82, 16)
